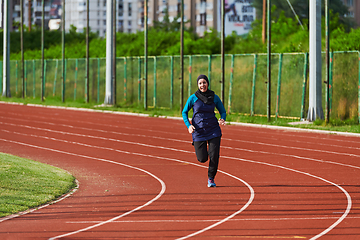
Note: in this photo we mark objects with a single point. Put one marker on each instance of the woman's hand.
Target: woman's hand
(222, 122)
(191, 129)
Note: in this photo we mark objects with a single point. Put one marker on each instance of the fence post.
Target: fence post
(231, 83)
(76, 75)
(331, 80)
(44, 79)
(252, 112)
(1, 73)
(306, 63)
(171, 81)
(209, 70)
(139, 79)
(34, 79)
(56, 69)
(190, 70)
(279, 87)
(125, 79)
(359, 91)
(16, 74)
(64, 81)
(155, 82)
(98, 80)
(25, 77)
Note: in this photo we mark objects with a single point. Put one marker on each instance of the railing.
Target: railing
(245, 81)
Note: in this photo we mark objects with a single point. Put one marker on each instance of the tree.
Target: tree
(301, 8)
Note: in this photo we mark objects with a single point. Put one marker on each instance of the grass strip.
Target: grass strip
(26, 184)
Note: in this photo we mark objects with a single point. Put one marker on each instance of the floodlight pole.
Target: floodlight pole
(29, 13)
(22, 45)
(223, 51)
(315, 94)
(6, 51)
(327, 35)
(269, 60)
(146, 53)
(63, 51)
(42, 50)
(182, 56)
(109, 53)
(264, 21)
(114, 54)
(87, 93)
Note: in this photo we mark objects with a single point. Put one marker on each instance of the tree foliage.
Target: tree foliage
(164, 39)
(301, 8)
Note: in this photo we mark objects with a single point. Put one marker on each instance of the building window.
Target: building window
(129, 9)
(121, 9)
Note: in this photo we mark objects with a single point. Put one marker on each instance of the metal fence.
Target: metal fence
(245, 81)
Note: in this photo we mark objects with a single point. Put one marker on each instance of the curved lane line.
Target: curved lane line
(229, 217)
(310, 175)
(163, 187)
(233, 140)
(141, 144)
(148, 203)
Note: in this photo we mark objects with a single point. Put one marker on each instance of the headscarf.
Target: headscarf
(208, 96)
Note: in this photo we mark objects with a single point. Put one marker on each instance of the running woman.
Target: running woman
(204, 126)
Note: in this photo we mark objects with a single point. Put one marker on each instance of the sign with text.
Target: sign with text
(239, 14)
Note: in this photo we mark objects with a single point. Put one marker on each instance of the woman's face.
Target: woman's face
(203, 85)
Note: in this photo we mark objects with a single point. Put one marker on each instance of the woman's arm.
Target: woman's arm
(189, 104)
(220, 106)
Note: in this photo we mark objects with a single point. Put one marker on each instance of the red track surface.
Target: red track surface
(139, 179)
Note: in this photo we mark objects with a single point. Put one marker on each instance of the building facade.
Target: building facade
(126, 15)
(201, 15)
(354, 10)
(32, 12)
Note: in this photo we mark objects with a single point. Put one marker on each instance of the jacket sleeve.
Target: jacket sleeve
(220, 106)
(188, 106)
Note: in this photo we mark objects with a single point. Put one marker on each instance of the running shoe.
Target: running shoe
(211, 182)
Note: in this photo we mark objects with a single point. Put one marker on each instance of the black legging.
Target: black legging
(202, 154)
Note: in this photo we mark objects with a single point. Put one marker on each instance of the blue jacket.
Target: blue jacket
(204, 119)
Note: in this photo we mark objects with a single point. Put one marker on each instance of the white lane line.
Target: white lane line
(214, 220)
(292, 156)
(252, 193)
(331, 227)
(163, 187)
(173, 149)
(298, 130)
(297, 148)
(348, 208)
(288, 129)
(140, 144)
(229, 217)
(272, 165)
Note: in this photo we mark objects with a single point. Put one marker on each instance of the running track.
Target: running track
(139, 179)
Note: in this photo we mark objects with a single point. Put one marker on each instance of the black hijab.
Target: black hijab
(208, 96)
